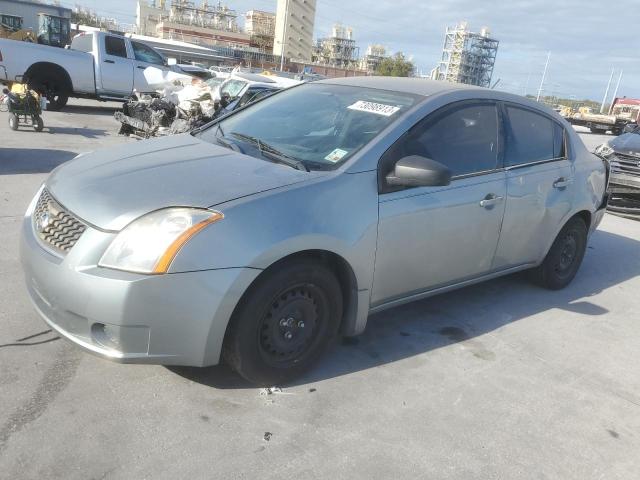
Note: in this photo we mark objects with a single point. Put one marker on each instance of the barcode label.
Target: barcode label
(371, 107)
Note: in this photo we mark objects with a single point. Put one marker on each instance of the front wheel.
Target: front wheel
(13, 121)
(564, 257)
(284, 322)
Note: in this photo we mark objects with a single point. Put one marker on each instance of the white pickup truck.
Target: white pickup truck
(97, 65)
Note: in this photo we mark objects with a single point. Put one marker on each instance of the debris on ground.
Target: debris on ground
(267, 436)
(270, 391)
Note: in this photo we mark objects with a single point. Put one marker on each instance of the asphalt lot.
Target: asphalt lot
(497, 381)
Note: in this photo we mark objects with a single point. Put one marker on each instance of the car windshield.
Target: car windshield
(318, 124)
(232, 87)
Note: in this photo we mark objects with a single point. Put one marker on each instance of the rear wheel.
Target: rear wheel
(57, 101)
(284, 323)
(13, 121)
(564, 257)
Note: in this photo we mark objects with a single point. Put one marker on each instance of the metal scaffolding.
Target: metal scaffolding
(467, 57)
(218, 17)
(338, 50)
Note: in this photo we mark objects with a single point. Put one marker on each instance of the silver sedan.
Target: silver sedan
(260, 238)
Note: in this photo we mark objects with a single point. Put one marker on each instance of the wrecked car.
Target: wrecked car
(623, 154)
(179, 108)
(261, 237)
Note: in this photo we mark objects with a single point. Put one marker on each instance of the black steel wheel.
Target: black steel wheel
(284, 322)
(564, 257)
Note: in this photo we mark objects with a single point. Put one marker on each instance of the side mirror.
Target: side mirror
(171, 61)
(629, 127)
(417, 171)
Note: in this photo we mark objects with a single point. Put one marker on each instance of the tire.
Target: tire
(38, 124)
(57, 101)
(284, 322)
(13, 121)
(597, 130)
(564, 258)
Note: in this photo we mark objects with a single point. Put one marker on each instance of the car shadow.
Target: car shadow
(91, 133)
(104, 110)
(31, 160)
(459, 316)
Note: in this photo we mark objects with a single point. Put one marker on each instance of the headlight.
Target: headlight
(604, 150)
(150, 243)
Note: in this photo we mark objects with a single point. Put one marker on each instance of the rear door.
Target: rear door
(431, 237)
(539, 185)
(149, 67)
(116, 69)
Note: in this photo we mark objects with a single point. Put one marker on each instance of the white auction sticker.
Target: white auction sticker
(377, 108)
(336, 155)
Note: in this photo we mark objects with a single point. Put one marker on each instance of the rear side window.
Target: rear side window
(115, 46)
(464, 138)
(532, 138)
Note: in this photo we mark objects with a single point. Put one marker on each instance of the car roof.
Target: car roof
(413, 85)
(426, 87)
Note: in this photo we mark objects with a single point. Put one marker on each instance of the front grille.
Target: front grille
(55, 226)
(625, 164)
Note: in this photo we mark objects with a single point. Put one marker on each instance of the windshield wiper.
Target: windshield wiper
(268, 151)
(226, 142)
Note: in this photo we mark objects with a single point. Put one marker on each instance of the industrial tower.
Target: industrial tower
(467, 57)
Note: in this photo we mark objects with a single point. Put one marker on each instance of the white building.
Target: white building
(294, 29)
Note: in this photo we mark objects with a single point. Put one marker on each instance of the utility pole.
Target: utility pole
(284, 34)
(544, 75)
(615, 92)
(606, 92)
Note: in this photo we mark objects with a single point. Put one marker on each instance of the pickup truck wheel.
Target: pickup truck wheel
(284, 322)
(57, 101)
(564, 257)
(13, 121)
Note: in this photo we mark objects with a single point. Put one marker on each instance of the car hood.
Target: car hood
(629, 143)
(110, 188)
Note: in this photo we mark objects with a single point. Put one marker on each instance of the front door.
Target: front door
(116, 69)
(150, 70)
(430, 237)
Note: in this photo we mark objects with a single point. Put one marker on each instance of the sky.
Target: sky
(586, 38)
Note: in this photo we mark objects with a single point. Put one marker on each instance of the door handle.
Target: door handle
(490, 200)
(562, 183)
(109, 61)
(141, 67)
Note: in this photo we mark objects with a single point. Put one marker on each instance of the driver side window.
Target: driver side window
(146, 54)
(464, 138)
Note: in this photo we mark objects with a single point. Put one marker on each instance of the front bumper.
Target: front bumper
(171, 319)
(621, 183)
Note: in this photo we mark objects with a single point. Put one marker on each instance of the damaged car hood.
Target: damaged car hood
(629, 143)
(110, 188)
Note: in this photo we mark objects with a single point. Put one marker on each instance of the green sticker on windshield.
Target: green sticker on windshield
(336, 155)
